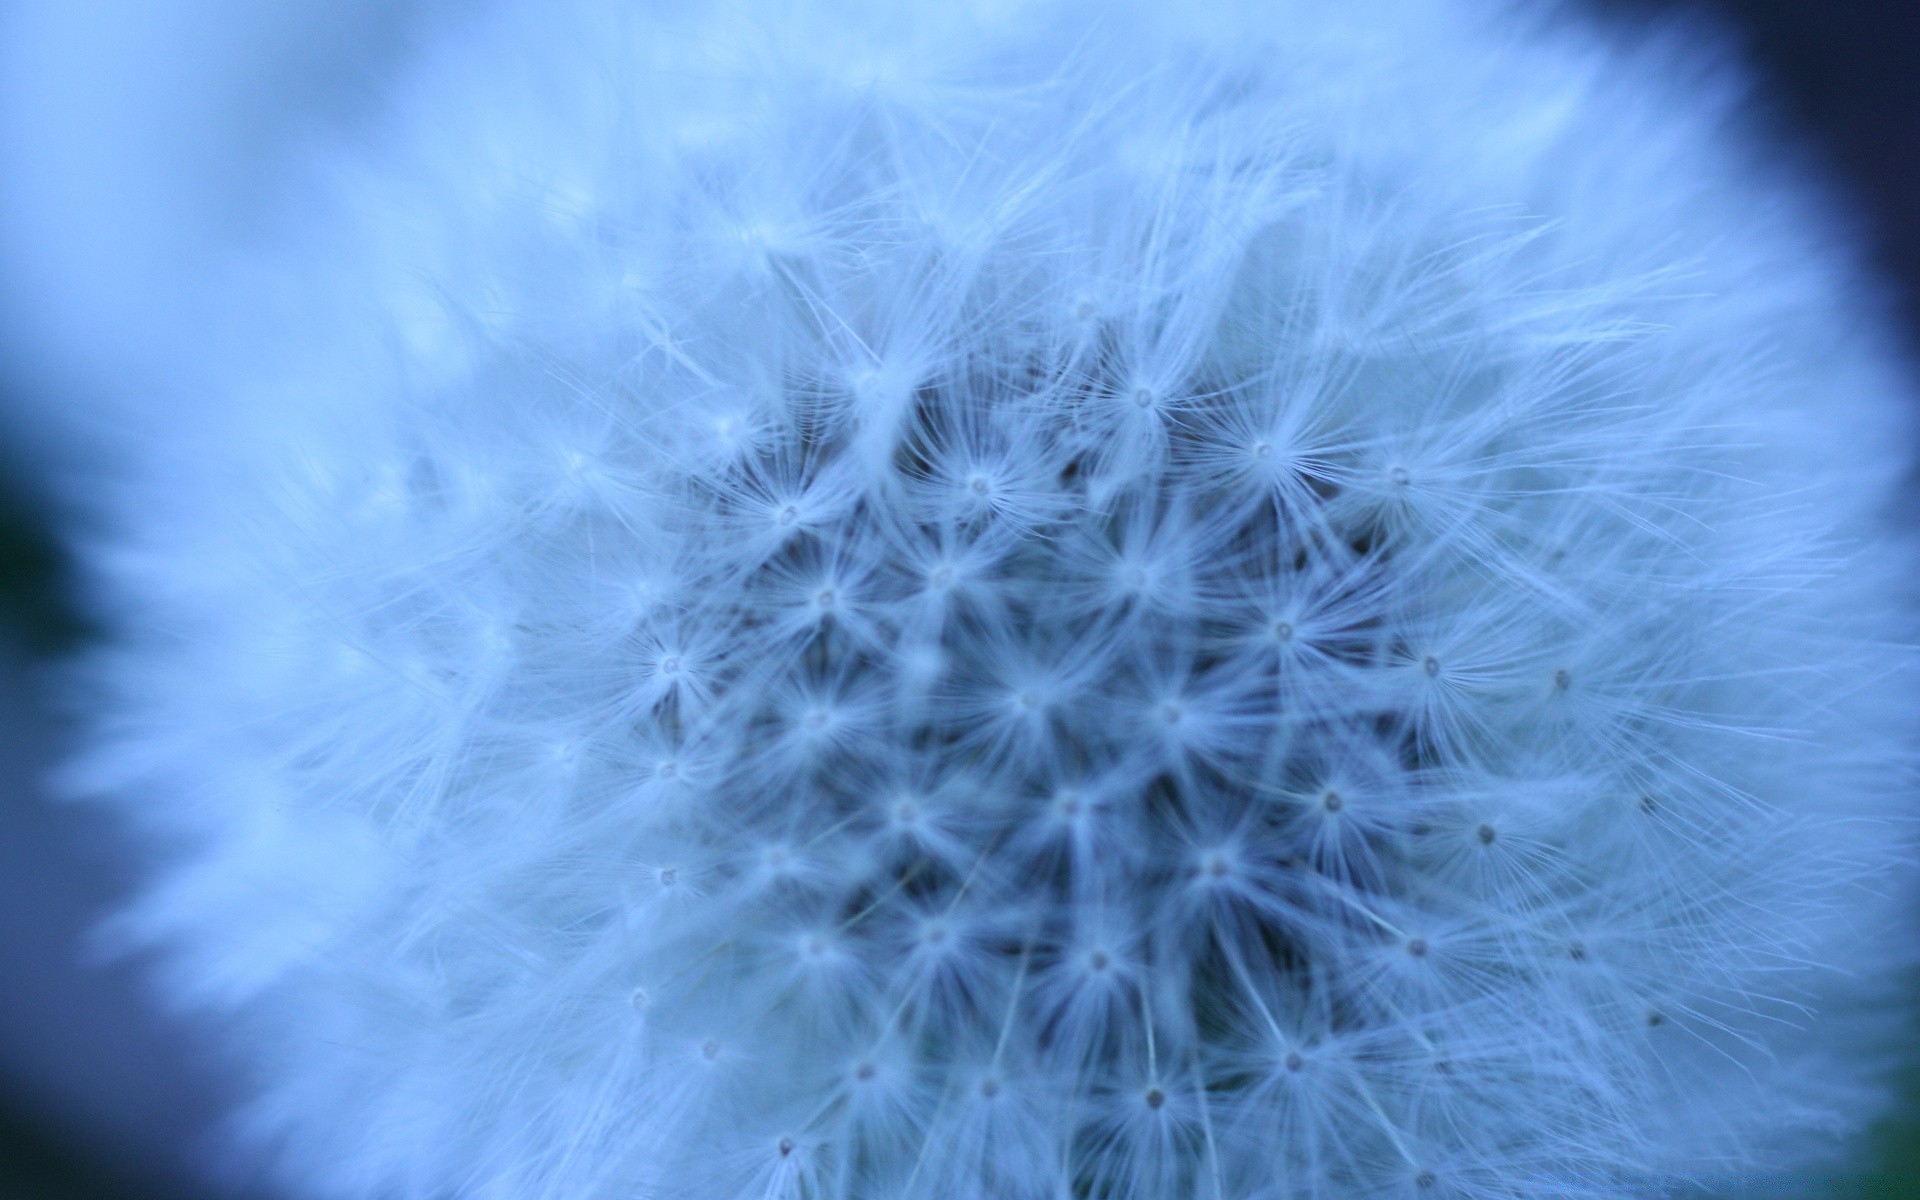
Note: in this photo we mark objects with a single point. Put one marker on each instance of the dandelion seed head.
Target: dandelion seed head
(1266, 604)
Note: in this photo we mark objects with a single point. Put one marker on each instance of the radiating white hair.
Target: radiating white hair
(832, 600)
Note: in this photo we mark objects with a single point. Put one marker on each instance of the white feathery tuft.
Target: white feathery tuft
(828, 601)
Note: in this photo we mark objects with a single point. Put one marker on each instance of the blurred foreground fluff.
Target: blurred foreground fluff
(1030, 600)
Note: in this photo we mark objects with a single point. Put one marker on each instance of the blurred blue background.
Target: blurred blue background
(135, 133)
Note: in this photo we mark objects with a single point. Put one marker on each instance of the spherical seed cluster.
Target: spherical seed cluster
(1270, 604)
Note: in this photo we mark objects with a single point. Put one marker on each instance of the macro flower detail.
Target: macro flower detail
(1036, 601)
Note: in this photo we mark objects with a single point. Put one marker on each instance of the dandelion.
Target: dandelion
(1035, 600)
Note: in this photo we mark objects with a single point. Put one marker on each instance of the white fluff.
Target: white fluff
(841, 601)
